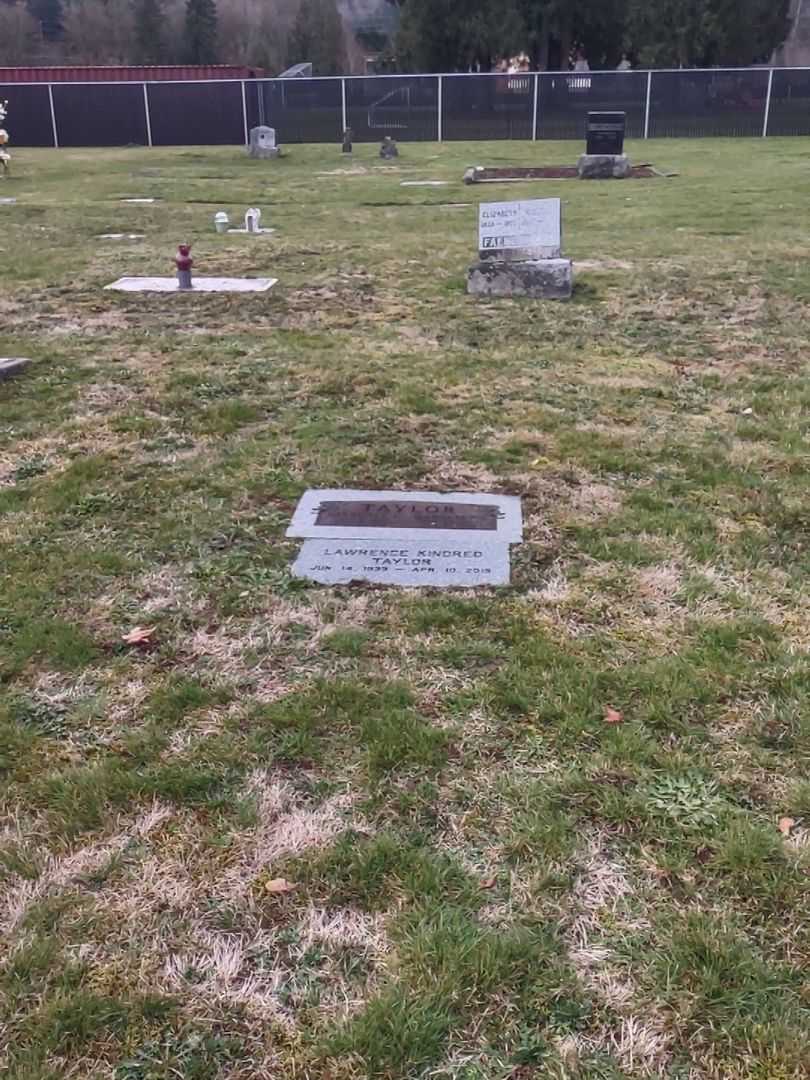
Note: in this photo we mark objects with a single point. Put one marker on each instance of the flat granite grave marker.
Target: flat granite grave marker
(12, 365)
(200, 284)
(411, 538)
(519, 251)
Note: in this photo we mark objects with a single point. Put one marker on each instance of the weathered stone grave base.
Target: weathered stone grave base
(256, 232)
(200, 284)
(263, 153)
(541, 279)
(458, 564)
(604, 167)
(12, 365)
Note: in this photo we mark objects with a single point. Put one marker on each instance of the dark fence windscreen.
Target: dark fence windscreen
(99, 114)
(790, 102)
(301, 110)
(686, 103)
(29, 114)
(196, 113)
(565, 101)
(487, 106)
(406, 108)
(546, 105)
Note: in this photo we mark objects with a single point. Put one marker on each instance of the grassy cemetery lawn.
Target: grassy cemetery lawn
(560, 829)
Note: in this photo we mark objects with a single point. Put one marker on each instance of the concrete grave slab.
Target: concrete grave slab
(138, 200)
(201, 284)
(466, 518)
(256, 232)
(454, 564)
(424, 183)
(121, 236)
(6, 201)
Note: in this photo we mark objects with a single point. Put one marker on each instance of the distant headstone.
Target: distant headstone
(389, 149)
(406, 538)
(253, 217)
(604, 157)
(519, 251)
(263, 142)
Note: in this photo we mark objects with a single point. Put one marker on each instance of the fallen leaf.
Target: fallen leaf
(488, 883)
(785, 825)
(141, 635)
(279, 885)
(613, 716)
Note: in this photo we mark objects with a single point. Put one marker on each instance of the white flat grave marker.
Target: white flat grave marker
(465, 518)
(520, 231)
(138, 200)
(253, 232)
(12, 365)
(120, 236)
(201, 284)
(424, 183)
(6, 201)
(405, 562)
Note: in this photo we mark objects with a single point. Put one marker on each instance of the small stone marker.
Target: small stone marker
(406, 538)
(604, 157)
(12, 365)
(389, 149)
(263, 142)
(519, 251)
(138, 200)
(120, 236)
(5, 201)
(424, 183)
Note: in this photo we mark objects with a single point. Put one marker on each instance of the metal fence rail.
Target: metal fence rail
(547, 105)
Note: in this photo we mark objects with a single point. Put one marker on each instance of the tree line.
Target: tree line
(462, 35)
(261, 34)
(433, 35)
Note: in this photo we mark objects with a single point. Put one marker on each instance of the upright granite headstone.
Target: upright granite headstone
(520, 251)
(389, 149)
(604, 157)
(263, 142)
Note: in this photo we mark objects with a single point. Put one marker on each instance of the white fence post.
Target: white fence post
(767, 105)
(647, 106)
(440, 126)
(146, 114)
(53, 117)
(534, 113)
(343, 103)
(244, 112)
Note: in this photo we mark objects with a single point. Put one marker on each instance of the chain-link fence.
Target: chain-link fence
(548, 105)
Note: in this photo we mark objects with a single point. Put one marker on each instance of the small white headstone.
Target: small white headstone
(520, 231)
(253, 217)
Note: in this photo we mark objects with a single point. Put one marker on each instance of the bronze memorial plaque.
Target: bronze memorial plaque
(392, 514)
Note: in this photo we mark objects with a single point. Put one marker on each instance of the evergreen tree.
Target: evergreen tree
(48, 14)
(201, 31)
(317, 37)
(149, 43)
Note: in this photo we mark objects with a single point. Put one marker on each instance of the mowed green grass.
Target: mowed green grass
(489, 880)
